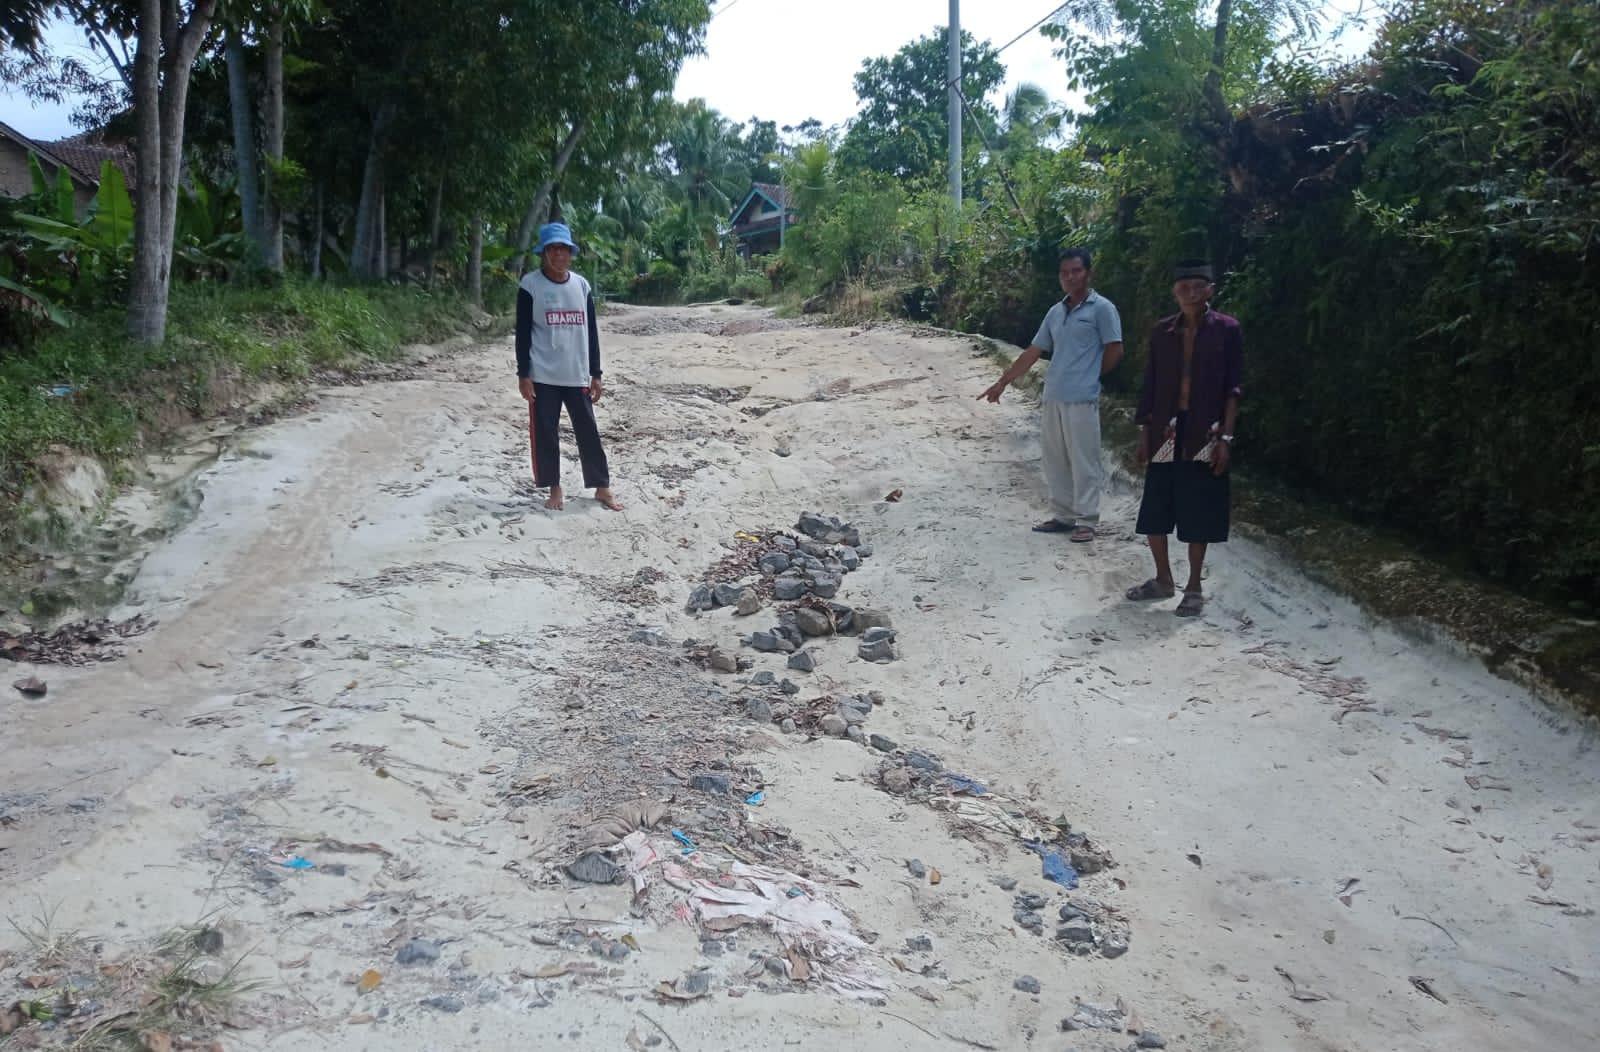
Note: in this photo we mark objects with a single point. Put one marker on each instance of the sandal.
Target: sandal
(1082, 532)
(1191, 604)
(1151, 589)
(1053, 526)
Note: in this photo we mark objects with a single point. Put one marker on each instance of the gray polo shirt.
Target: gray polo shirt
(1077, 340)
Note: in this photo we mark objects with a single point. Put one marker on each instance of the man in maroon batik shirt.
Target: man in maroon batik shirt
(1187, 409)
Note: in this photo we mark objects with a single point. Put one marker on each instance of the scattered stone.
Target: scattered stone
(711, 782)
(824, 586)
(1027, 984)
(1030, 901)
(850, 559)
(924, 762)
(722, 661)
(1033, 922)
(424, 951)
(867, 619)
(789, 687)
(877, 697)
(1093, 1017)
(1150, 1039)
(775, 966)
(834, 726)
(882, 744)
(1004, 883)
(699, 599)
(877, 634)
(767, 642)
(1076, 936)
(208, 941)
(617, 951)
(32, 687)
(919, 944)
(764, 679)
(788, 544)
(774, 563)
(748, 603)
(897, 780)
(915, 867)
(725, 594)
(648, 636)
(744, 664)
(788, 589)
(844, 618)
(444, 1003)
(592, 868)
(880, 650)
(787, 630)
(84, 805)
(812, 622)
(864, 550)
(1113, 947)
(789, 726)
(854, 710)
(856, 734)
(802, 661)
(712, 947)
(757, 709)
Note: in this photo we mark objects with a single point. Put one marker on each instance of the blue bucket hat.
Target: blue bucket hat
(556, 234)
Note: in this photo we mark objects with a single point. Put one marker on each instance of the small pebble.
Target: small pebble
(1027, 984)
(915, 867)
(1151, 1039)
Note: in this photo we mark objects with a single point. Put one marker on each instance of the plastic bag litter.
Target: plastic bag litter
(960, 783)
(990, 812)
(1056, 868)
(622, 820)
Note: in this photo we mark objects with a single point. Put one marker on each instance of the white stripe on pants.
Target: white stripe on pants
(1070, 435)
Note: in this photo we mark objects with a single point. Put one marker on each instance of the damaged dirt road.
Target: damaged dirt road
(356, 784)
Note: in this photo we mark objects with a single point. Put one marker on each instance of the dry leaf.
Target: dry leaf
(635, 1042)
(553, 971)
(38, 982)
(1547, 875)
(268, 761)
(156, 1041)
(631, 943)
(301, 963)
(925, 995)
(898, 963)
(444, 814)
(799, 968)
(1483, 781)
(362, 1020)
(370, 981)
(894, 496)
(934, 876)
(670, 992)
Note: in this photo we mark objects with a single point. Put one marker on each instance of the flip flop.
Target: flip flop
(1082, 533)
(1053, 526)
(1190, 605)
(1151, 589)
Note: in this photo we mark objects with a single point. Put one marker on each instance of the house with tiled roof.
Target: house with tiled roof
(81, 155)
(761, 219)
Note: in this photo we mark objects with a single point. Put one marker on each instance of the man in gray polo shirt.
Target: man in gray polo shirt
(1082, 339)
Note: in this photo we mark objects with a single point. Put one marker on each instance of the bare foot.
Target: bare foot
(607, 499)
(555, 503)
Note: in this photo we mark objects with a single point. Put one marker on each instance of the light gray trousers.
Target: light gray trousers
(1070, 435)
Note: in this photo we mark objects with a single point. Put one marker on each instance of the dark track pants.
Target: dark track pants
(544, 422)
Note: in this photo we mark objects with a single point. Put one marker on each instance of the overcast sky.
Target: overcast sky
(781, 60)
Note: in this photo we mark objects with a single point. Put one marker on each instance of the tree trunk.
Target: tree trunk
(556, 215)
(475, 263)
(272, 130)
(435, 221)
(364, 250)
(316, 235)
(541, 200)
(1212, 89)
(382, 269)
(161, 96)
(244, 144)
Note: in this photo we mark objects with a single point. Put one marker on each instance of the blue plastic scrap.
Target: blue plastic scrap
(688, 845)
(1056, 868)
(960, 783)
(756, 799)
(297, 863)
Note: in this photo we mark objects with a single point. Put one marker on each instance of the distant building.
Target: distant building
(759, 221)
(81, 156)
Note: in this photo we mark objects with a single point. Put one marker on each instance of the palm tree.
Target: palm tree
(710, 170)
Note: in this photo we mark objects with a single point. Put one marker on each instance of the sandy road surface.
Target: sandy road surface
(376, 652)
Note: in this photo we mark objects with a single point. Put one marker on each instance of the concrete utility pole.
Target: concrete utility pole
(953, 75)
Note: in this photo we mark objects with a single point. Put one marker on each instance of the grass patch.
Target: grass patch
(88, 389)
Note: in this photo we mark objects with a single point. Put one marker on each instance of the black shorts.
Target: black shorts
(1185, 495)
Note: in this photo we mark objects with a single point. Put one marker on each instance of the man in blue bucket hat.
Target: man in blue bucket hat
(558, 364)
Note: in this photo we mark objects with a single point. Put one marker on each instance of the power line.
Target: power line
(724, 10)
(1025, 32)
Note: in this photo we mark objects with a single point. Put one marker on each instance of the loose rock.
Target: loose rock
(834, 726)
(849, 559)
(880, 651)
(648, 636)
(856, 734)
(592, 868)
(915, 867)
(882, 744)
(867, 618)
(788, 687)
(711, 782)
(788, 589)
(824, 586)
(767, 642)
(789, 726)
(774, 563)
(1027, 984)
(722, 661)
(418, 951)
(1150, 1039)
(748, 603)
(444, 1003)
(1113, 947)
(757, 709)
(813, 622)
(725, 594)
(802, 661)
(764, 679)
(919, 944)
(699, 599)
(854, 710)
